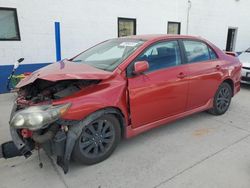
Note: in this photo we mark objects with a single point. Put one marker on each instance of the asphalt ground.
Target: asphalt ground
(198, 151)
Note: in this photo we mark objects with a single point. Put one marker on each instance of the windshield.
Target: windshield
(109, 54)
(248, 50)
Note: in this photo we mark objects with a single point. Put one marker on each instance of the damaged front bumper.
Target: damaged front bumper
(17, 147)
(58, 140)
(60, 146)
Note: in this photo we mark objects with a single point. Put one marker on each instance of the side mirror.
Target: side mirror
(140, 67)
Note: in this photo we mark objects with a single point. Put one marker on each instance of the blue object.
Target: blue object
(58, 41)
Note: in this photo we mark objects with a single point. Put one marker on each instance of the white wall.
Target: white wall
(84, 23)
(211, 19)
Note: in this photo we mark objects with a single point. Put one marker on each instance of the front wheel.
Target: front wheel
(98, 140)
(222, 99)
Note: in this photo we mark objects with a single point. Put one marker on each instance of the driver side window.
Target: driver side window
(161, 55)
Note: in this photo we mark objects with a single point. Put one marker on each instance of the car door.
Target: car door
(204, 73)
(161, 91)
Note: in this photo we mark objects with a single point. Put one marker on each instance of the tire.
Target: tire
(222, 99)
(98, 140)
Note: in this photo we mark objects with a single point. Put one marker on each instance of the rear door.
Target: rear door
(204, 73)
(162, 90)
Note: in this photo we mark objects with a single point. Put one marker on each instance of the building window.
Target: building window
(9, 29)
(174, 28)
(126, 27)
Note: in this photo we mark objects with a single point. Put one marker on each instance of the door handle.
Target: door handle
(181, 75)
(218, 67)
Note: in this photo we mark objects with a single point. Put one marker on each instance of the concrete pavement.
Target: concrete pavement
(199, 151)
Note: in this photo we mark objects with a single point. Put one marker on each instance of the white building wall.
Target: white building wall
(211, 19)
(84, 23)
(96, 20)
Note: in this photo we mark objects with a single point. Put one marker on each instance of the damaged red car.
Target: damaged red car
(82, 107)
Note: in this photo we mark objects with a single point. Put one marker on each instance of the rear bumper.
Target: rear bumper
(245, 80)
(245, 76)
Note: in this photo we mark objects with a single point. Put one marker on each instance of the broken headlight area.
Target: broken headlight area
(37, 117)
(42, 91)
(36, 123)
(56, 140)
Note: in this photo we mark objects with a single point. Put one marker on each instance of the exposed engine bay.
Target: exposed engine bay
(45, 91)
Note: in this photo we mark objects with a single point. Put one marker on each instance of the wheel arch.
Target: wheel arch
(98, 113)
(119, 115)
(231, 83)
(75, 131)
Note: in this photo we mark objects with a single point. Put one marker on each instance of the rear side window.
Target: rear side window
(212, 54)
(161, 55)
(196, 51)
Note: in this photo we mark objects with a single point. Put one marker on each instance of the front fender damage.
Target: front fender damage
(58, 140)
(75, 131)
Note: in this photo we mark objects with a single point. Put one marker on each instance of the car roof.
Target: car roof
(161, 36)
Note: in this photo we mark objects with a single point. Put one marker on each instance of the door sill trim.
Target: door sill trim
(130, 132)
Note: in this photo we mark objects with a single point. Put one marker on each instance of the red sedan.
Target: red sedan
(81, 107)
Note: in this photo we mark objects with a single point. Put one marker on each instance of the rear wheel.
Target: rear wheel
(97, 140)
(222, 99)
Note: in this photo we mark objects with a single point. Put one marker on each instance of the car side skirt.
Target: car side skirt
(130, 132)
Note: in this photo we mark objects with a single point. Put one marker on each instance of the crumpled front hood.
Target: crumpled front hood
(65, 70)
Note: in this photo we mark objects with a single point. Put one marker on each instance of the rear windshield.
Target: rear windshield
(109, 54)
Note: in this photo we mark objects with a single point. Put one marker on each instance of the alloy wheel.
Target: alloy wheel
(97, 138)
(223, 99)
